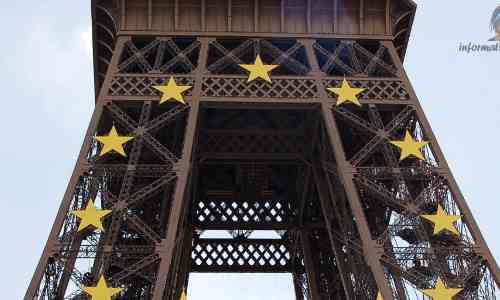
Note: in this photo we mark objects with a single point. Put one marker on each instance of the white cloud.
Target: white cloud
(48, 95)
(58, 68)
(86, 38)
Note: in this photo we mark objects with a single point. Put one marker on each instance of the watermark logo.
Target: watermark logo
(495, 24)
(493, 44)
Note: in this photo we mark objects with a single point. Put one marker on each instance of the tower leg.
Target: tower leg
(346, 177)
(327, 201)
(51, 245)
(453, 186)
(166, 249)
(185, 265)
(372, 257)
(297, 285)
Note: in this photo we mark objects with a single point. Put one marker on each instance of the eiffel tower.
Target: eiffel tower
(287, 116)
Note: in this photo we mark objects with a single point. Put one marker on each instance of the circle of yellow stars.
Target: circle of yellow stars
(172, 92)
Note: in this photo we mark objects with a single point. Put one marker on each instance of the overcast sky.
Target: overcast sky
(47, 96)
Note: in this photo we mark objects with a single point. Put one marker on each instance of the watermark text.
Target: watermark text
(473, 47)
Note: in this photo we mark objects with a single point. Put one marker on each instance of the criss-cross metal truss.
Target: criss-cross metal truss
(244, 157)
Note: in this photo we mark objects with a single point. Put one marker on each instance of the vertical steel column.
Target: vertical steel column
(311, 271)
(111, 236)
(184, 263)
(182, 255)
(297, 286)
(327, 205)
(166, 248)
(371, 250)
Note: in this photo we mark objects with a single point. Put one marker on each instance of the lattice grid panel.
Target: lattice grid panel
(280, 88)
(375, 89)
(252, 143)
(249, 255)
(212, 212)
(122, 85)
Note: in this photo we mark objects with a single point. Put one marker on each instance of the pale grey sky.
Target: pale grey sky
(47, 96)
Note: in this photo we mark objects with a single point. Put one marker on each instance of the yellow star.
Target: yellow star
(113, 141)
(183, 295)
(409, 146)
(379, 296)
(346, 93)
(259, 70)
(101, 291)
(90, 216)
(442, 221)
(440, 292)
(172, 91)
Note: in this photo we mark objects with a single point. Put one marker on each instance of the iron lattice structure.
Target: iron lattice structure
(253, 156)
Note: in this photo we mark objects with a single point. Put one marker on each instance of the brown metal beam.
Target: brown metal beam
(371, 250)
(327, 203)
(229, 15)
(282, 15)
(311, 270)
(184, 167)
